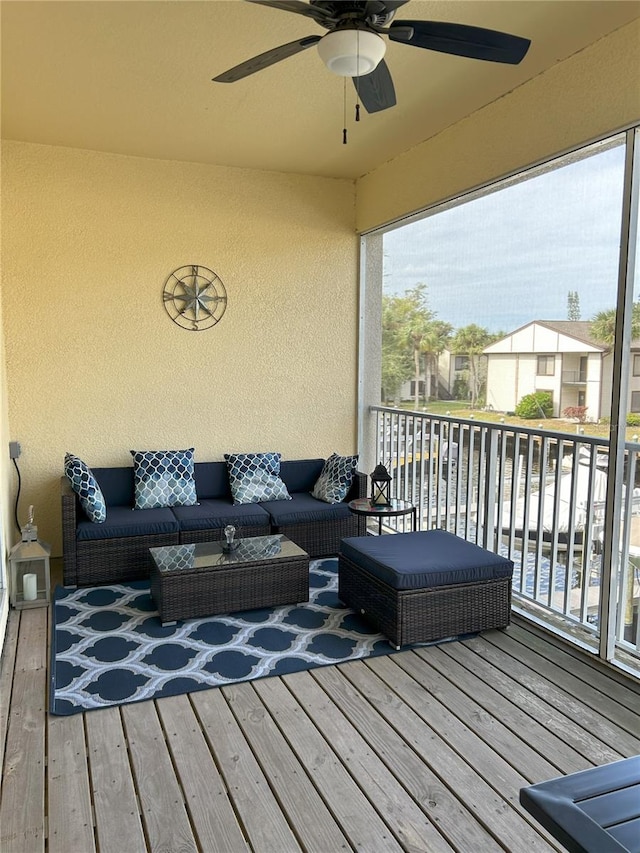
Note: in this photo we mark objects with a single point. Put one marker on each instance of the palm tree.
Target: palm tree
(397, 365)
(603, 325)
(439, 336)
(415, 331)
(471, 340)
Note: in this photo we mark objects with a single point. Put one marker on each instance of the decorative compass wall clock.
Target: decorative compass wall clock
(195, 297)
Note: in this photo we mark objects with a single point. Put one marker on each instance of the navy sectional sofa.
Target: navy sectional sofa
(118, 549)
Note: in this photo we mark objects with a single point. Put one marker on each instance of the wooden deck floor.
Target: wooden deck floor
(422, 751)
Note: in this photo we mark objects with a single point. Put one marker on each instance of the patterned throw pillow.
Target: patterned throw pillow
(253, 477)
(335, 480)
(163, 478)
(85, 485)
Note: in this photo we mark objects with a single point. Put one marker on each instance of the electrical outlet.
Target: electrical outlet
(14, 449)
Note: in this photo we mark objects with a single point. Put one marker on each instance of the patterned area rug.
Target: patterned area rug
(110, 648)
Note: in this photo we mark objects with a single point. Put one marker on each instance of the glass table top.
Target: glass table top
(206, 555)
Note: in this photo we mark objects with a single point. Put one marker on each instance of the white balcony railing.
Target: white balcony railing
(533, 495)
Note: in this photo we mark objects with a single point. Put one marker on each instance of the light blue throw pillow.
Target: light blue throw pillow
(254, 477)
(335, 479)
(85, 485)
(163, 478)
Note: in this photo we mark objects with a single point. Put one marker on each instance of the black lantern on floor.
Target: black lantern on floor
(380, 486)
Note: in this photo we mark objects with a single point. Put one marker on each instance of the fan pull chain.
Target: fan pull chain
(344, 110)
(358, 75)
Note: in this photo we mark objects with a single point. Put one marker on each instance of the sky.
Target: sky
(512, 256)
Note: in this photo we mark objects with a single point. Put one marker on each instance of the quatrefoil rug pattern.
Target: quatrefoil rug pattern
(110, 648)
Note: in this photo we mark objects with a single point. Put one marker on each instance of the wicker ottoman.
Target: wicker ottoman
(429, 585)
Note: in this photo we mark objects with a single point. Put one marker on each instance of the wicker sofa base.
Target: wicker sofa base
(114, 560)
(226, 589)
(422, 615)
(323, 540)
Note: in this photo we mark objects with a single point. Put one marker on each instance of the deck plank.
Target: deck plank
(6, 676)
(501, 724)
(356, 815)
(118, 822)
(623, 695)
(411, 827)
(158, 789)
(22, 808)
(564, 738)
(568, 694)
(457, 825)
(485, 782)
(266, 826)
(212, 816)
(69, 794)
(362, 754)
(307, 813)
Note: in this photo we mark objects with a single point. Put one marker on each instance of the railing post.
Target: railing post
(490, 478)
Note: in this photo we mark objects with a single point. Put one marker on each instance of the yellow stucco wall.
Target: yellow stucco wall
(94, 364)
(592, 94)
(7, 531)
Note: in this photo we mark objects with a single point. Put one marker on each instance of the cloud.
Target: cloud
(512, 256)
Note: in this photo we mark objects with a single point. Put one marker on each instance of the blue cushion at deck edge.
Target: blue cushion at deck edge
(428, 558)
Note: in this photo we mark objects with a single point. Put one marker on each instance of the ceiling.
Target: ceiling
(135, 78)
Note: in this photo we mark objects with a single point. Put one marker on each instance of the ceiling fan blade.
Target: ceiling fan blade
(296, 6)
(376, 89)
(463, 40)
(264, 60)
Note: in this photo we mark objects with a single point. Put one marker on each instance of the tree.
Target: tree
(397, 366)
(471, 340)
(603, 325)
(573, 305)
(438, 336)
(415, 330)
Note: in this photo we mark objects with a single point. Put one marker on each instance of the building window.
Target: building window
(546, 365)
(462, 362)
(636, 365)
(635, 401)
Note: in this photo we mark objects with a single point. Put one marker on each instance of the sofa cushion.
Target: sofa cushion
(254, 477)
(123, 521)
(116, 485)
(335, 480)
(427, 558)
(215, 514)
(303, 509)
(85, 485)
(212, 480)
(163, 478)
(300, 475)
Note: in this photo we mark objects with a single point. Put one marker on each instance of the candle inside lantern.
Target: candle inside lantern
(30, 587)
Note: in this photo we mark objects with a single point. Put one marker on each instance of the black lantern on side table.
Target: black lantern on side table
(380, 487)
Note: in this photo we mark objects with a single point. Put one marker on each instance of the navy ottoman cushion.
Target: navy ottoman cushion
(427, 558)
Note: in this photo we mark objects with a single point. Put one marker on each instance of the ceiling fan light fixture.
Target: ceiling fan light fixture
(352, 52)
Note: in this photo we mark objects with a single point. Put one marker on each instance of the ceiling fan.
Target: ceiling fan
(354, 46)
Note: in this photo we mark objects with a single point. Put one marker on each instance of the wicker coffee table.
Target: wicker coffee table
(191, 581)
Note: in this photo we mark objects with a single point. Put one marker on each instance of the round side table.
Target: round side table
(363, 506)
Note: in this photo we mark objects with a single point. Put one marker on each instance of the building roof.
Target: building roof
(579, 329)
